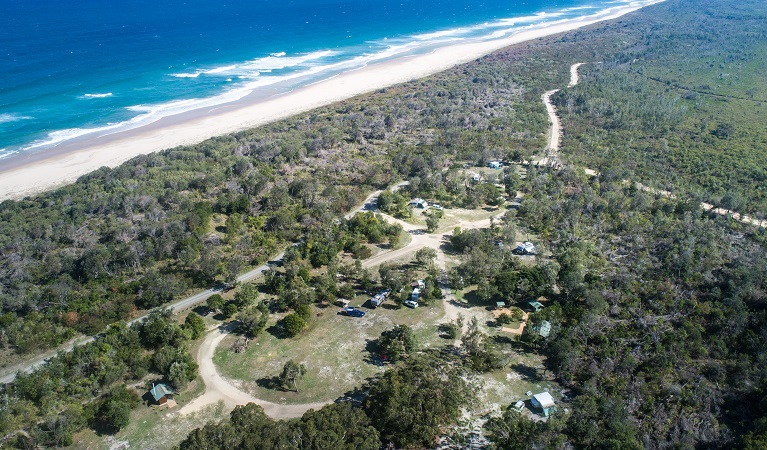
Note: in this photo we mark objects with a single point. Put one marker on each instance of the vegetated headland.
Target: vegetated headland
(654, 307)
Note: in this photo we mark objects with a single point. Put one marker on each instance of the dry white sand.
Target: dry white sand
(65, 167)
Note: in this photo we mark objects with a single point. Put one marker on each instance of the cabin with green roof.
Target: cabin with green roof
(161, 393)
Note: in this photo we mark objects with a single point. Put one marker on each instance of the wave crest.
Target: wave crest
(97, 95)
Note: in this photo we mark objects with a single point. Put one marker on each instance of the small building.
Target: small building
(162, 393)
(415, 295)
(495, 164)
(526, 248)
(535, 305)
(544, 402)
(544, 329)
(419, 203)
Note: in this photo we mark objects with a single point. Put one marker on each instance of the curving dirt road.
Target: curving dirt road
(219, 389)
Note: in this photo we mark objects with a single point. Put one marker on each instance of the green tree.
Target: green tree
(215, 302)
(513, 431)
(293, 324)
(247, 295)
(290, 374)
(194, 325)
(338, 426)
(252, 321)
(480, 354)
(432, 223)
(397, 342)
(181, 373)
(115, 415)
(230, 309)
(305, 311)
(409, 404)
(425, 256)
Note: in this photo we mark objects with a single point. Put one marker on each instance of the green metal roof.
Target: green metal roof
(160, 391)
(535, 304)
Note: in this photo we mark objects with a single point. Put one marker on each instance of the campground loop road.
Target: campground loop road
(217, 388)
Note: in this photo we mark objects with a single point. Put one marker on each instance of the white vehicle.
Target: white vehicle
(411, 303)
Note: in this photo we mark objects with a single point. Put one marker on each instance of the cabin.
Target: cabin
(495, 164)
(544, 329)
(544, 402)
(535, 305)
(162, 393)
(419, 203)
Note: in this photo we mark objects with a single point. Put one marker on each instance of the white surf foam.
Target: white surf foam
(250, 76)
(255, 67)
(11, 117)
(90, 96)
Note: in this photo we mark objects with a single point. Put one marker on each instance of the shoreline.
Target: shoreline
(39, 172)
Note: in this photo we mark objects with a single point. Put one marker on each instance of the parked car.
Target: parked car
(411, 303)
(352, 312)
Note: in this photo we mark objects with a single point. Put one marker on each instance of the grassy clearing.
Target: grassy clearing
(524, 374)
(335, 350)
(155, 427)
(454, 217)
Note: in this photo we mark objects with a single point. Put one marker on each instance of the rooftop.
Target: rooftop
(161, 390)
(544, 400)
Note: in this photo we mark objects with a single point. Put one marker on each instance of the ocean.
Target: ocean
(74, 68)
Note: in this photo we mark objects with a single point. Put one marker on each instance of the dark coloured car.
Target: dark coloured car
(352, 312)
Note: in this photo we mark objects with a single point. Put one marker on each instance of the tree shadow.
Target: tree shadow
(459, 304)
(219, 316)
(357, 394)
(201, 310)
(271, 383)
(501, 339)
(528, 373)
(372, 356)
(277, 331)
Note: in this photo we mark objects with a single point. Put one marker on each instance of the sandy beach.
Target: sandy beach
(58, 166)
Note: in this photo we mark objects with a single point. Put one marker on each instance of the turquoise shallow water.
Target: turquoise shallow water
(74, 67)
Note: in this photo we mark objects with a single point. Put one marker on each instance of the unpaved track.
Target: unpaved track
(552, 157)
(219, 389)
(8, 374)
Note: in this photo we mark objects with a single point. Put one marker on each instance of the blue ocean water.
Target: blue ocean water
(70, 68)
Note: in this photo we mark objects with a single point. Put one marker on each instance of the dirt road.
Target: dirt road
(555, 137)
(219, 389)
